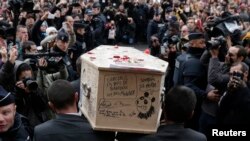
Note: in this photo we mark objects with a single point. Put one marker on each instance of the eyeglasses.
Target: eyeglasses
(184, 31)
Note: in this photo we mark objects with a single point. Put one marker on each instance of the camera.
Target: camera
(215, 43)
(225, 25)
(173, 40)
(30, 84)
(53, 59)
(238, 74)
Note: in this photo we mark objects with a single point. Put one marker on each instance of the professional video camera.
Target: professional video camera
(171, 40)
(54, 60)
(218, 43)
(215, 43)
(226, 25)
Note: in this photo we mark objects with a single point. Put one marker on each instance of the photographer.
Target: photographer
(218, 72)
(170, 55)
(120, 20)
(29, 98)
(234, 106)
(129, 31)
(218, 77)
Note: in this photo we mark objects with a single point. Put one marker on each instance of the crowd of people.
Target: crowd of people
(205, 42)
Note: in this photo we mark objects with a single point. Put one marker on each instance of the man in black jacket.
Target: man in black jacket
(153, 26)
(98, 22)
(234, 106)
(68, 124)
(13, 126)
(79, 47)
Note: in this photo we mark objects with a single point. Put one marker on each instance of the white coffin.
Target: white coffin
(121, 89)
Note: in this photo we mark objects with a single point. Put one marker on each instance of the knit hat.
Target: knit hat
(50, 29)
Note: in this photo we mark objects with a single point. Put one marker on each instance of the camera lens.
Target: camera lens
(32, 85)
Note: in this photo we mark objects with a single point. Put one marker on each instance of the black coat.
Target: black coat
(152, 29)
(69, 128)
(36, 33)
(99, 22)
(234, 108)
(7, 76)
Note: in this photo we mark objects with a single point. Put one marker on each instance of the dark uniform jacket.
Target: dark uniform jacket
(68, 127)
(194, 76)
(67, 62)
(20, 131)
(194, 72)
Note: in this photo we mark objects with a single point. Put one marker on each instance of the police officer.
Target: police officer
(61, 46)
(13, 126)
(98, 22)
(192, 73)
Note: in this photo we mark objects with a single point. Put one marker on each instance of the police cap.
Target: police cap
(62, 35)
(6, 98)
(96, 5)
(88, 12)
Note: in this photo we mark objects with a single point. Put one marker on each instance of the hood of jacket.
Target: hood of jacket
(18, 63)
